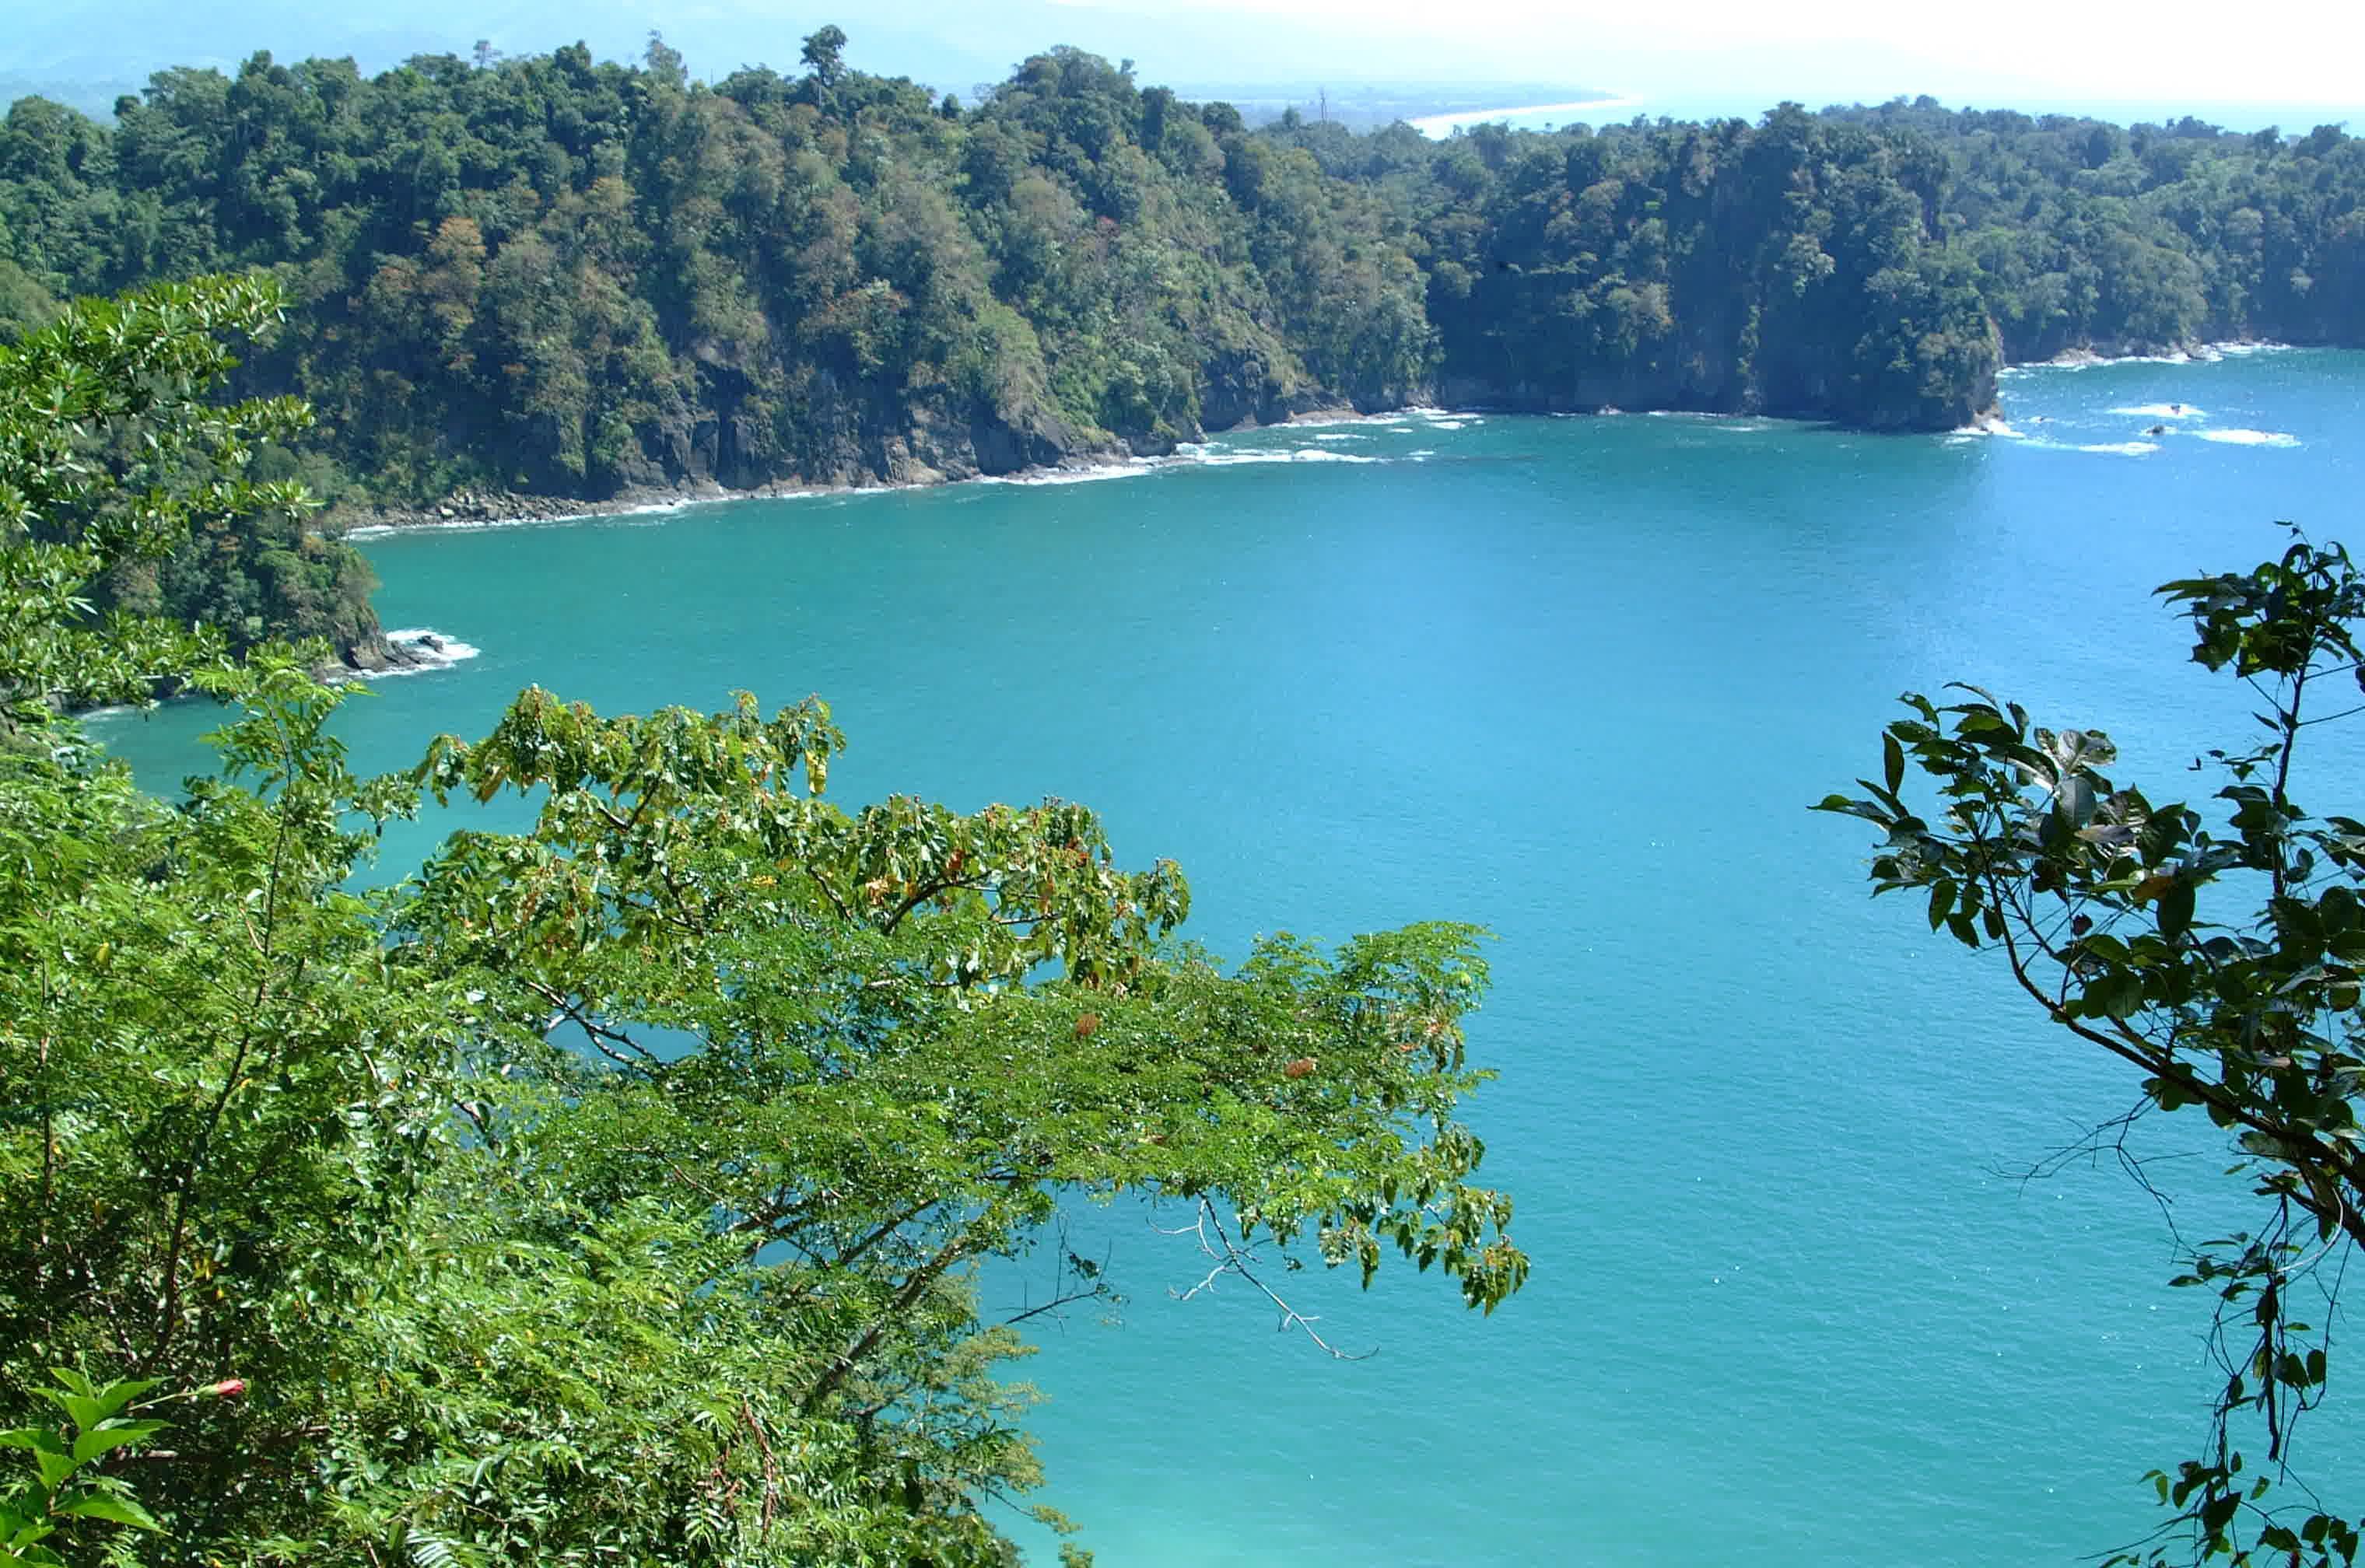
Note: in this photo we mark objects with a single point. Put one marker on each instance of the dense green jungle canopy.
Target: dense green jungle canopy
(571, 278)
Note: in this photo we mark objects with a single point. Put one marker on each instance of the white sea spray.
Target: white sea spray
(2249, 438)
(432, 650)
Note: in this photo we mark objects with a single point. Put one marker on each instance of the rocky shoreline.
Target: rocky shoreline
(2198, 350)
(482, 508)
(492, 509)
(500, 508)
(385, 653)
(497, 508)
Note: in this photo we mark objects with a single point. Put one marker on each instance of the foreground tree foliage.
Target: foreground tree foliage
(611, 1191)
(2218, 953)
(127, 489)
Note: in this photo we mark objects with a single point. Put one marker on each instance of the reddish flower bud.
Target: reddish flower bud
(227, 1388)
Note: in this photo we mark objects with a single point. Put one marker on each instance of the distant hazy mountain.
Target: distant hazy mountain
(95, 98)
(86, 51)
(74, 40)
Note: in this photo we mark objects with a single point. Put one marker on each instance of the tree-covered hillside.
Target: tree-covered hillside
(573, 277)
(1848, 264)
(561, 277)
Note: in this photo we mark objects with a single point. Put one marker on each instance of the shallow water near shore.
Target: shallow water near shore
(1578, 680)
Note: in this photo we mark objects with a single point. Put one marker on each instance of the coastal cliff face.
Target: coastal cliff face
(1702, 383)
(1790, 269)
(836, 430)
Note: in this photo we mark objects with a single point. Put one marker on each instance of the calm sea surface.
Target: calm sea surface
(1578, 680)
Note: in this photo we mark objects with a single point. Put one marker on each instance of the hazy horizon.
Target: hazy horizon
(2167, 59)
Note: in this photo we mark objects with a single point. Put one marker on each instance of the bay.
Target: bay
(1578, 680)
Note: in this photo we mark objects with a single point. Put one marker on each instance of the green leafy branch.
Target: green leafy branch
(2221, 960)
(68, 1488)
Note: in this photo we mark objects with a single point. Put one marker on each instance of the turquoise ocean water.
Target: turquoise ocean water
(1578, 680)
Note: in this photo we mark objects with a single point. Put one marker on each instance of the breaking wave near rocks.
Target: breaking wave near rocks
(422, 649)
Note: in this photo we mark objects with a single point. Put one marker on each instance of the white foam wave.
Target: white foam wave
(2200, 353)
(1080, 475)
(1334, 421)
(2251, 437)
(2105, 448)
(2075, 359)
(1342, 437)
(1279, 455)
(1449, 424)
(430, 649)
(2163, 411)
(1992, 425)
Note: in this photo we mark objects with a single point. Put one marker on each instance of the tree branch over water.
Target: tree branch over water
(2222, 956)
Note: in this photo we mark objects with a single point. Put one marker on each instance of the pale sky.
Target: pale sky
(2304, 52)
(2296, 62)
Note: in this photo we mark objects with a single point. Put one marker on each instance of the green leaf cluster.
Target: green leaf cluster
(66, 1495)
(2219, 953)
(611, 1191)
(135, 542)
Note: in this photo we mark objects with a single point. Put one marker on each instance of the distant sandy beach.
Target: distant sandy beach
(1442, 125)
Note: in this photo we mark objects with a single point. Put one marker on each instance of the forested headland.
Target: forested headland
(557, 277)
